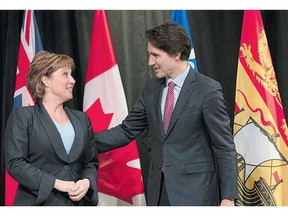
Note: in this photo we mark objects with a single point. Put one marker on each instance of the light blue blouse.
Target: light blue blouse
(67, 134)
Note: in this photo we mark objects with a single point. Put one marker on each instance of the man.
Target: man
(193, 156)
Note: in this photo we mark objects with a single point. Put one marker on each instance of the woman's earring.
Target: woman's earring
(46, 88)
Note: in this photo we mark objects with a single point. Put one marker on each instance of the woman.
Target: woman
(49, 148)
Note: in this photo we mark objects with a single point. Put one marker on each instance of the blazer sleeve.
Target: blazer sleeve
(16, 147)
(91, 165)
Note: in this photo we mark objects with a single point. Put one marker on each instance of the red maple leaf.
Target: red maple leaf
(115, 177)
(99, 120)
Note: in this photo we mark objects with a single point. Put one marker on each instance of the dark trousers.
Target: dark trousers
(163, 199)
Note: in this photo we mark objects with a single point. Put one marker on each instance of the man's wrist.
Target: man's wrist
(231, 199)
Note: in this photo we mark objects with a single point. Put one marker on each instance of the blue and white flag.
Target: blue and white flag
(180, 17)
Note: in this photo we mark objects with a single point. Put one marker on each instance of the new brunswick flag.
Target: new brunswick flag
(260, 129)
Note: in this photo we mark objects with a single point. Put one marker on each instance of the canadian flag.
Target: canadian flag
(119, 176)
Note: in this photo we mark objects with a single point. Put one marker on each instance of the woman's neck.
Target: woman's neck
(56, 111)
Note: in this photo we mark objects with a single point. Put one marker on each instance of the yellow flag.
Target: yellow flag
(260, 129)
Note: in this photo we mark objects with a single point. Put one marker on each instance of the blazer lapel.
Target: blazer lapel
(187, 89)
(78, 143)
(51, 131)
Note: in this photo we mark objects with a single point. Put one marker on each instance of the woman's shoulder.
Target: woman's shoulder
(77, 116)
(75, 112)
(21, 115)
(22, 110)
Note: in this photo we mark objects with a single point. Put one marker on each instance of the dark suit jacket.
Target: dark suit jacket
(198, 152)
(35, 156)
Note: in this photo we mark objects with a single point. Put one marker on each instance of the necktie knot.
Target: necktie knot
(171, 85)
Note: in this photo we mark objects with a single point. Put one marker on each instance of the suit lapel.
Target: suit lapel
(157, 102)
(187, 89)
(51, 131)
(78, 143)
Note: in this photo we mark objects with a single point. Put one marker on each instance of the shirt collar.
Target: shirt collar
(179, 80)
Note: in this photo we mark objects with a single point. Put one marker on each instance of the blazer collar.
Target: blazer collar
(78, 143)
(54, 136)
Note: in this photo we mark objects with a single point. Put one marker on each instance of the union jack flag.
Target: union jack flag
(30, 44)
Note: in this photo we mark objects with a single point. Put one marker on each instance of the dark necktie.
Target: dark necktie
(169, 105)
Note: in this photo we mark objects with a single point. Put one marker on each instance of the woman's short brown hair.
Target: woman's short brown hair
(45, 63)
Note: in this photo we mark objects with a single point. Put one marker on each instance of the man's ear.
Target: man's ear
(177, 56)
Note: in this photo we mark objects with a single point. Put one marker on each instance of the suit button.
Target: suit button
(66, 168)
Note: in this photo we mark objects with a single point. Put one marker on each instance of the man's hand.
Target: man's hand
(227, 202)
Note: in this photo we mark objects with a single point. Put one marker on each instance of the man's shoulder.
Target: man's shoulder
(205, 79)
(154, 82)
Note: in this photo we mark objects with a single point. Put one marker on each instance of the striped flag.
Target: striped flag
(119, 177)
(260, 129)
(30, 44)
(180, 17)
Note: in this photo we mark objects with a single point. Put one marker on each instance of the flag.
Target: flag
(180, 17)
(30, 44)
(119, 176)
(260, 129)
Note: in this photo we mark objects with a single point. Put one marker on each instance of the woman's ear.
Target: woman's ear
(45, 80)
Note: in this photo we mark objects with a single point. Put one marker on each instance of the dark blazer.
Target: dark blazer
(198, 152)
(35, 156)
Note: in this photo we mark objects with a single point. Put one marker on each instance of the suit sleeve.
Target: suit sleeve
(218, 124)
(133, 125)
